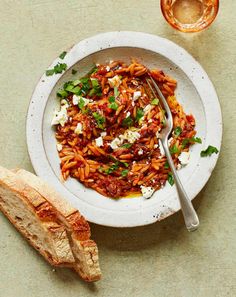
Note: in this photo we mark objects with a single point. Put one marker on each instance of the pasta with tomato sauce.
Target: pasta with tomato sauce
(108, 129)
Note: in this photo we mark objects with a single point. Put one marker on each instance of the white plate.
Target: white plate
(195, 92)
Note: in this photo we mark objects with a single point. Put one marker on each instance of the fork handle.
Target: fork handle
(190, 216)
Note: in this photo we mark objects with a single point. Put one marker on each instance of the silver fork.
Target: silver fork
(189, 214)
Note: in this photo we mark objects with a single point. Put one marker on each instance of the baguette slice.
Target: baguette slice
(84, 249)
(33, 216)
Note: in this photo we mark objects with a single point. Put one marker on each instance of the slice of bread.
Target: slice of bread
(33, 216)
(84, 249)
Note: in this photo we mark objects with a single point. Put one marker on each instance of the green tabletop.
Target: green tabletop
(162, 259)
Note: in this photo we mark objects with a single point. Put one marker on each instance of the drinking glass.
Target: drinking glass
(190, 15)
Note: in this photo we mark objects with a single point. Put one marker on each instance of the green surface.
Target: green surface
(158, 260)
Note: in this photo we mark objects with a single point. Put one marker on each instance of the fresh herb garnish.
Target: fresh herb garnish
(177, 131)
(170, 179)
(73, 71)
(81, 103)
(112, 168)
(59, 68)
(111, 99)
(76, 82)
(99, 119)
(96, 89)
(62, 55)
(173, 149)
(191, 140)
(155, 101)
(124, 172)
(113, 105)
(93, 70)
(75, 90)
(127, 145)
(209, 151)
(127, 122)
(116, 92)
(62, 93)
(166, 165)
(139, 114)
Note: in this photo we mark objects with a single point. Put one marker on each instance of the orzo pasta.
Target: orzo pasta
(108, 130)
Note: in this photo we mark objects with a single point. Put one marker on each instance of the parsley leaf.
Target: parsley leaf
(127, 145)
(94, 69)
(191, 140)
(113, 105)
(170, 179)
(81, 103)
(112, 168)
(209, 151)
(111, 99)
(99, 119)
(173, 149)
(71, 88)
(155, 101)
(73, 71)
(177, 131)
(59, 68)
(127, 122)
(62, 93)
(96, 89)
(124, 172)
(166, 165)
(139, 114)
(62, 55)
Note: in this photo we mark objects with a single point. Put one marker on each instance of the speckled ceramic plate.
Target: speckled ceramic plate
(195, 92)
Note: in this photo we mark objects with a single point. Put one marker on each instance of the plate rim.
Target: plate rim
(100, 42)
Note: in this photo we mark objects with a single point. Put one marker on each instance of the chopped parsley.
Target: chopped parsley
(155, 101)
(113, 105)
(111, 99)
(96, 89)
(99, 119)
(81, 103)
(191, 140)
(124, 172)
(170, 179)
(209, 151)
(73, 71)
(139, 114)
(177, 131)
(62, 55)
(94, 69)
(127, 145)
(127, 122)
(112, 168)
(174, 149)
(75, 90)
(59, 68)
(62, 93)
(166, 165)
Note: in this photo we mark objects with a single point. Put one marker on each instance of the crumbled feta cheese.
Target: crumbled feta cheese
(103, 134)
(115, 143)
(170, 140)
(59, 147)
(132, 103)
(140, 152)
(162, 152)
(150, 121)
(76, 99)
(111, 61)
(157, 135)
(108, 68)
(156, 145)
(136, 95)
(184, 158)
(114, 81)
(147, 191)
(99, 141)
(147, 108)
(179, 166)
(60, 117)
(130, 135)
(64, 103)
(79, 129)
(128, 114)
